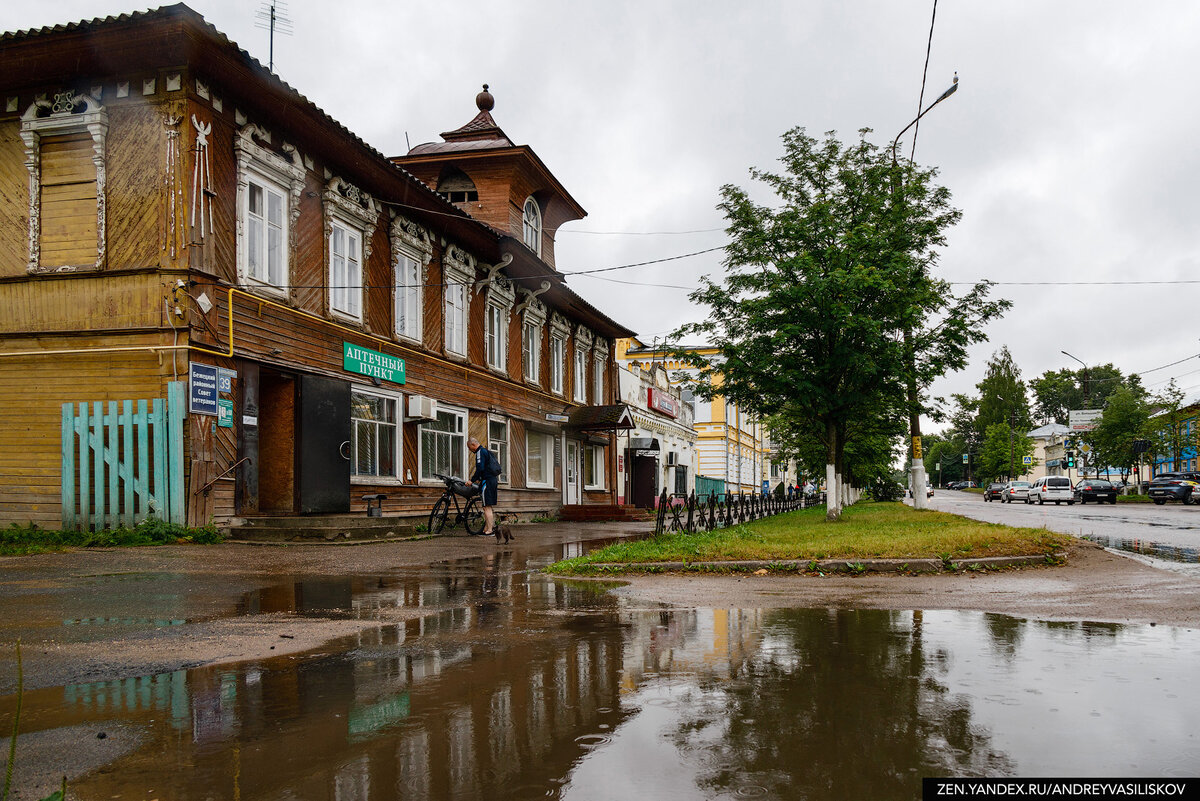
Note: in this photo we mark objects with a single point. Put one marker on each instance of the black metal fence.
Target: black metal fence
(690, 513)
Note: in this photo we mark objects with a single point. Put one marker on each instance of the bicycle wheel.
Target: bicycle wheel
(473, 517)
(437, 518)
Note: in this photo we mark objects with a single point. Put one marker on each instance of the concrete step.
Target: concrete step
(321, 528)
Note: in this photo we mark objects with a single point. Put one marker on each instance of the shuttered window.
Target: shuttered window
(68, 201)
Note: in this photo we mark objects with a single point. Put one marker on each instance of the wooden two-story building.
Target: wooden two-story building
(322, 321)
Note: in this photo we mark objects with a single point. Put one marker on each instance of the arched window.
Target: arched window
(533, 225)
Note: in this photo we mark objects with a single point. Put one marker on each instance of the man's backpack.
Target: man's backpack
(491, 464)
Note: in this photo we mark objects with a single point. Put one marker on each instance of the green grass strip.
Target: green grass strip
(867, 530)
(22, 540)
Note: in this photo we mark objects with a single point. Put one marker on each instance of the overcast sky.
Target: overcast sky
(1070, 145)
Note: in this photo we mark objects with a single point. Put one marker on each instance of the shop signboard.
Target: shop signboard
(372, 363)
(660, 401)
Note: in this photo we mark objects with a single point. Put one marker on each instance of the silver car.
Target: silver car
(1014, 491)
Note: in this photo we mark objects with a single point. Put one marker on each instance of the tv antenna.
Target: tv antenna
(273, 17)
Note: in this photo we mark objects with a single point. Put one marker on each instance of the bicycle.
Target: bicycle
(469, 514)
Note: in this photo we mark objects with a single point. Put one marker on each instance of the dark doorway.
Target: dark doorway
(643, 477)
(323, 441)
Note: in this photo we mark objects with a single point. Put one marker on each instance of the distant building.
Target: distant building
(660, 451)
(733, 453)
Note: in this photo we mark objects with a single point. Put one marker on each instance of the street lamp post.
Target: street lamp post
(1087, 400)
(917, 467)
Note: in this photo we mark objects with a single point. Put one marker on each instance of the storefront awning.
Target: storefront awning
(601, 418)
(643, 444)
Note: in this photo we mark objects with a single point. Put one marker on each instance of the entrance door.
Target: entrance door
(574, 475)
(323, 446)
(643, 478)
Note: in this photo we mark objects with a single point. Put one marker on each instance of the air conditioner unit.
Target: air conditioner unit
(421, 407)
(672, 458)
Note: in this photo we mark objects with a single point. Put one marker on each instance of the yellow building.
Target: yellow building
(733, 451)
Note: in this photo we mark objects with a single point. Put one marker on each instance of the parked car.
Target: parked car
(928, 490)
(1051, 488)
(1174, 487)
(1095, 489)
(994, 491)
(1015, 491)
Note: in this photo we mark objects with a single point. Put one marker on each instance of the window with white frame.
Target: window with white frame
(408, 295)
(458, 274)
(598, 380)
(443, 445)
(456, 318)
(531, 350)
(558, 353)
(532, 225)
(375, 434)
(539, 459)
(345, 271)
(580, 388)
(350, 219)
(268, 192)
(496, 335)
(266, 232)
(593, 467)
(498, 445)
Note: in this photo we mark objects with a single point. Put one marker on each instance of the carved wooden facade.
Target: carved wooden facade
(157, 212)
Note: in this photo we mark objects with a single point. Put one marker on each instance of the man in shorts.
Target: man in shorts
(487, 472)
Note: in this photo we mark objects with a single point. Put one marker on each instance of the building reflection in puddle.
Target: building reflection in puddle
(500, 683)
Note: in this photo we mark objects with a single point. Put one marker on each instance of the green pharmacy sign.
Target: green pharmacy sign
(356, 359)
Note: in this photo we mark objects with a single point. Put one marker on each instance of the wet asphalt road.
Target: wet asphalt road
(1170, 534)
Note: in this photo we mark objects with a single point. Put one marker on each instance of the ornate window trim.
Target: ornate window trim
(45, 118)
(349, 206)
(410, 240)
(501, 298)
(533, 314)
(458, 271)
(287, 174)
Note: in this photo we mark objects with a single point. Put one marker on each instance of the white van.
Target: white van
(1052, 488)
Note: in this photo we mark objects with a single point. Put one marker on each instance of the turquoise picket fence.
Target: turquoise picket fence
(122, 461)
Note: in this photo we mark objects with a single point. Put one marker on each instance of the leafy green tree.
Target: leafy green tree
(1057, 392)
(1167, 429)
(946, 450)
(1126, 413)
(1002, 454)
(828, 297)
(1002, 397)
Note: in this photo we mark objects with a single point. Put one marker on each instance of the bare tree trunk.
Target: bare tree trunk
(833, 507)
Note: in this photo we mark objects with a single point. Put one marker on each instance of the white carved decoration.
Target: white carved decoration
(350, 205)
(202, 191)
(172, 204)
(493, 272)
(405, 232)
(68, 113)
(533, 309)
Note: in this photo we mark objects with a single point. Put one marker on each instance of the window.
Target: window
(345, 271)
(408, 296)
(498, 444)
(539, 459)
(532, 225)
(531, 350)
(65, 152)
(269, 187)
(375, 434)
(558, 348)
(456, 319)
(443, 445)
(580, 393)
(593, 467)
(496, 336)
(598, 380)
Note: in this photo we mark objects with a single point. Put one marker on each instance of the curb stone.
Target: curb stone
(836, 565)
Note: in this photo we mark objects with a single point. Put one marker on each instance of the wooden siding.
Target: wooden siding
(32, 391)
(134, 194)
(83, 302)
(14, 201)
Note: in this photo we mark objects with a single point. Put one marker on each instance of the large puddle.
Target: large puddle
(509, 685)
